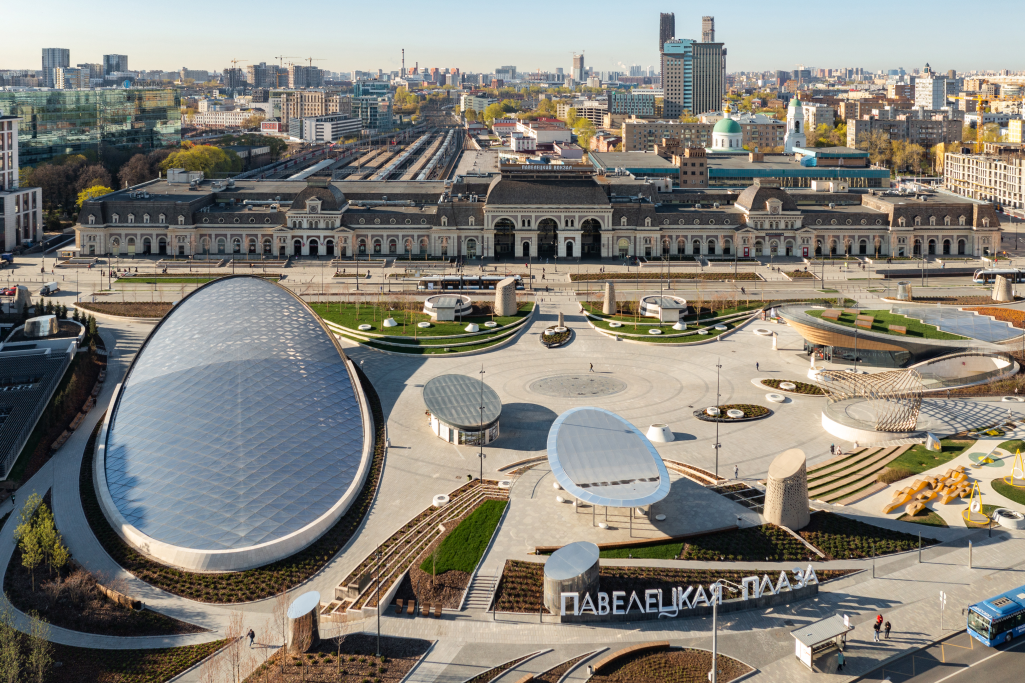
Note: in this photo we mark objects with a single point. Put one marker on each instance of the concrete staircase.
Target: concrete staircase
(481, 592)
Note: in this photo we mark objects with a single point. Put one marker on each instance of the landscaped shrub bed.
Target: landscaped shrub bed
(69, 598)
(800, 274)
(1014, 316)
(129, 309)
(522, 583)
(802, 387)
(655, 275)
(750, 410)
(958, 300)
(126, 666)
(554, 674)
(750, 544)
(252, 584)
(492, 674)
(842, 538)
(554, 338)
(672, 666)
(353, 658)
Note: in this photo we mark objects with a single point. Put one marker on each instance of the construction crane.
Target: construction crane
(236, 62)
(281, 59)
(314, 59)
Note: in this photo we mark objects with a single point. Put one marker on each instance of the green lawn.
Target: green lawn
(919, 459)
(594, 307)
(655, 551)
(924, 516)
(1013, 446)
(885, 318)
(373, 314)
(1009, 492)
(462, 549)
(666, 330)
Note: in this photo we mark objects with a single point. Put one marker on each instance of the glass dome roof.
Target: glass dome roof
(238, 423)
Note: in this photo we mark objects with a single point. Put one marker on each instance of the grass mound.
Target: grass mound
(462, 549)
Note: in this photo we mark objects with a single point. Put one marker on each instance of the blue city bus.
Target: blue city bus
(998, 619)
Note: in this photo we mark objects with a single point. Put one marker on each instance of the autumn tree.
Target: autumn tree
(206, 158)
(91, 193)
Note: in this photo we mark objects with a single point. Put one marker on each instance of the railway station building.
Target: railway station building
(527, 211)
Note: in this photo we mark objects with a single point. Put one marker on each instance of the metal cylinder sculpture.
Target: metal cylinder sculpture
(786, 491)
(572, 568)
(1002, 292)
(609, 306)
(903, 292)
(304, 618)
(505, 297)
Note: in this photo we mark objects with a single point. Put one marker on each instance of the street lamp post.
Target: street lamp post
(718, 367)
(481, 434)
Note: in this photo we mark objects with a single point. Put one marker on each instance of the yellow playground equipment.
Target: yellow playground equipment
(974, 513)
(1017, 475)
(949, 486)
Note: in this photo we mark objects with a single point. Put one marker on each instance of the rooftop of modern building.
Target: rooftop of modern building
(831, 152)
(631, 160)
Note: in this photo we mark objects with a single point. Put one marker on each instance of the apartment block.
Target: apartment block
(924, 132)
(998, 178)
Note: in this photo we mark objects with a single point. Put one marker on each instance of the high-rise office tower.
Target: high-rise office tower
(666, 29)
(677, 77)
(578, 67)
(54, 58)
(114, 64)
(709, 84)
(707, 29)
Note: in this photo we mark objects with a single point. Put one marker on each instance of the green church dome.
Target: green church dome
(727, 126)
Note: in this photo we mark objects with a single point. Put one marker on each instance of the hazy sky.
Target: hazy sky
(345, 35)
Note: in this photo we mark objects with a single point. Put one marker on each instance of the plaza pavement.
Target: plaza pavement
(664, 384)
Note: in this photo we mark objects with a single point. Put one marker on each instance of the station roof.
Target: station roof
(602, 459)
(821, 631)
(456, 401)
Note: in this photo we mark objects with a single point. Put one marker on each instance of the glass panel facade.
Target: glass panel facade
(56, 122)
(238, 423)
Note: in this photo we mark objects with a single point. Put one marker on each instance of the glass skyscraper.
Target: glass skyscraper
(56, 122)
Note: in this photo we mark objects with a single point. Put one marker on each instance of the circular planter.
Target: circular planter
(441, 500)
(661, 518)
(555, 336)
(654, 330)
(614, 325)
(776, 398)
(365, 327)
(734, 413)
(762, 332)
(472, 327)
(679, 326)
(787, 386)
(1009, 519)
(721, 328)
(556, 486)
(390, 322)
(751, 411)
(660, 433)
(702, 331)
(603, 525)
(423, 325)
(505, 484)
(560, 499)
(491, 323)
(1012, 399)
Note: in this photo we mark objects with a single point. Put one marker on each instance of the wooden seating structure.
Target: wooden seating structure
(437, 611)
(863, 324)
(899, 329)
(832, 314)
(946, 488)
(398, 606)
(410, 606)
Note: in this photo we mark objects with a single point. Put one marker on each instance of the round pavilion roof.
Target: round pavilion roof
(728, 126)
(456, 401)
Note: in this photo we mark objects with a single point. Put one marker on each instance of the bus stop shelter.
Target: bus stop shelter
(816, 645)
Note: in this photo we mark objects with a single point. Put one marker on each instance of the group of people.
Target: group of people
(879, 626)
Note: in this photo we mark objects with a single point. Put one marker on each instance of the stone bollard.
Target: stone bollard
(562, 322)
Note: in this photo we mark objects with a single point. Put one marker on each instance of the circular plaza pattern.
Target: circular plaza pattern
(572, 386)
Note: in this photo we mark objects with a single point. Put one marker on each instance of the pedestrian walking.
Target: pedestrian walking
(736, 472)
(252, 637)
(832, 449)
(875, 631)
(839, 662)
(591, 368)
(886, 630)
(756, 366)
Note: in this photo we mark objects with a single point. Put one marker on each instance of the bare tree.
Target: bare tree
(233, 634)
(279, 616)
(210, 669)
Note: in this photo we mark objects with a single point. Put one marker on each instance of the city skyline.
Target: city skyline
(758, 40)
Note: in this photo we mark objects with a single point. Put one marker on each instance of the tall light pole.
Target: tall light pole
(481, 437)
(718, 367)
